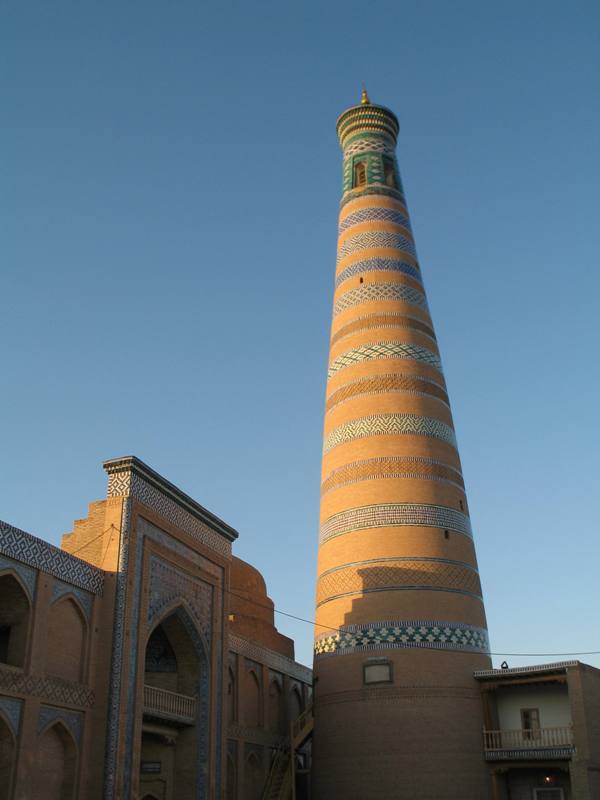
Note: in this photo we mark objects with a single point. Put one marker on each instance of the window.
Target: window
(377, 670)
(530, 723)
(389, 172)
(360, 174)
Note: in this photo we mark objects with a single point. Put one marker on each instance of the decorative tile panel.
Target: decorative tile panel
(11, 709)
(416, 633)
(386, 515)
(411, 384)
(369, 292)
(398, 574)
(379, 265)
(27, 574)
(375, 239)
(379, 350)
(383, 191)
(389, 425)
(408, 467)
(370, 144)
(86, 599)
(37, 553)
(72, 720)
(168, 584)
(374, 214)
(391, 319)
(123, 484)
(54, 690)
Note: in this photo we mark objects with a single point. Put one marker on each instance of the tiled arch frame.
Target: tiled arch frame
(74, 596)
(20, 573)
(181, 609)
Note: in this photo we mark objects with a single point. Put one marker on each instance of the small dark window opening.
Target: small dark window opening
(361, 280)
(360, 174)
(446, 534)
(389, 173)
(462, 505)
(4, 640)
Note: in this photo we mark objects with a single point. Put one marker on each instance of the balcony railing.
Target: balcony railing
(523, 742)
(169, 705)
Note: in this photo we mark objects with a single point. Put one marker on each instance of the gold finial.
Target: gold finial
(364, 98)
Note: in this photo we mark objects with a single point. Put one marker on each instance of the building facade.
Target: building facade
(542, 731)
(400, 618)
(140, 660)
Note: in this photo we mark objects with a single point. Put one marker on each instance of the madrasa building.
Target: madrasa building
(140, 660)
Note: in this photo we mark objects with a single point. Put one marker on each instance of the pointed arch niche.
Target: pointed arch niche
(175, 730)
(56, 765)
(67, 639)
(15, 612)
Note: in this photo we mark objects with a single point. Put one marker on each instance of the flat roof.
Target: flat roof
(535, 669)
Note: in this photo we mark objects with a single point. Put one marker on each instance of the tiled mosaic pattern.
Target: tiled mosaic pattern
(378, 350)
(400, 574)
(373, 239)
(11, 711)
(369, 292)
(416, 633)
(269, 657)
(390, 319)
(374, 214)
(72, 720)
(371, 144)
(60, 589)
(379, 265)
(388, 515)
(28, 549)
(128, 484)
(27, 574)
(413, 384)
(54, 690)
(414, 467)
(389, 425)
(168, 584)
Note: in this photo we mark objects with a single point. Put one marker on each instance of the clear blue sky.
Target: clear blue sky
(169, 186)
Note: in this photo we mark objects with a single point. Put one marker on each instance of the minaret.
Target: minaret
(400, 617)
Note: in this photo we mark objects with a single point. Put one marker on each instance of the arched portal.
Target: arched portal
(174, 752)
(14, 621)
(56, 765)
(7, 759)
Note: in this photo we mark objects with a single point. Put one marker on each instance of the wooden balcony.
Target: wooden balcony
(528, 744)
(168, 705)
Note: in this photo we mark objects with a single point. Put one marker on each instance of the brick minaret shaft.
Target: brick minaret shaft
(400, 617)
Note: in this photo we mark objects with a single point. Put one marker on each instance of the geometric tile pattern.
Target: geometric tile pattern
(415, 633)
(368, 292)
(412, 384)
(127, 483)
(396, 575)
(373, 239)
(27, 575)
(28, 549)
(388, 515)
(72, 720)
(168, 584)
(390, 319)
(60, 589)
(412, 467)
(274, 660)
(372, 144)
(378, 265)
(389, 425)
(55, 690)
(378, 350)
(374, 214)
(11, 711)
